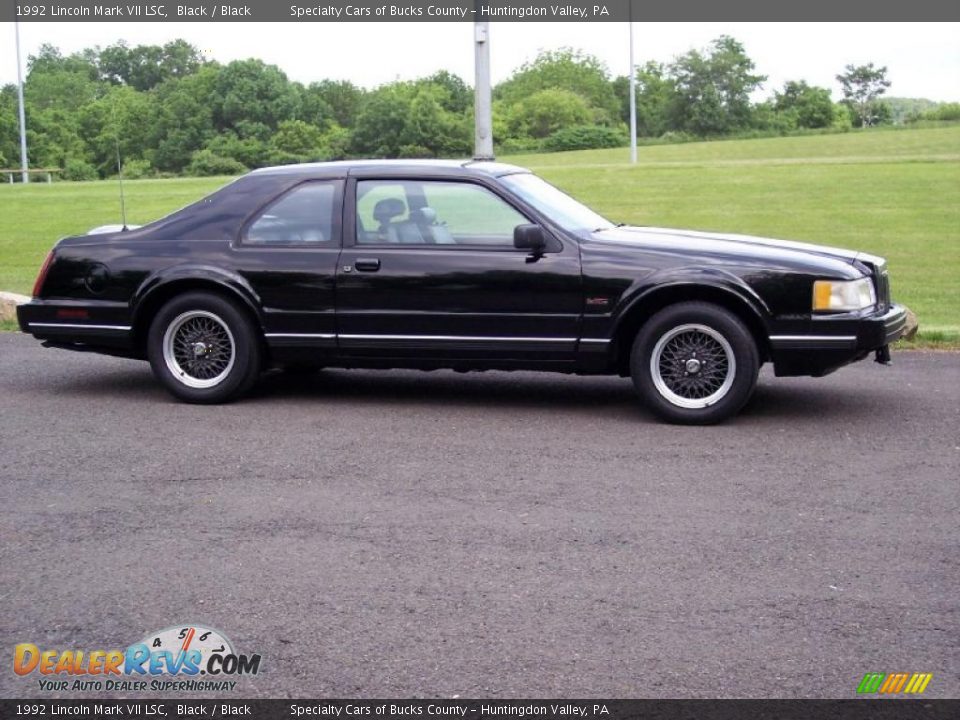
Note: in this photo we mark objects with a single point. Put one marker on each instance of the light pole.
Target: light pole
(25, 176)
(482, 112)
(633, 95)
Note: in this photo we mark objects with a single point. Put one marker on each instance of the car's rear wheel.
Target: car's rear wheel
(695, 363)
(203, 348)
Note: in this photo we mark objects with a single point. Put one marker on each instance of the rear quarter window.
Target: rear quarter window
(304, 215)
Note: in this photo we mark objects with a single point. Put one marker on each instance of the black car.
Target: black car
(462, 265)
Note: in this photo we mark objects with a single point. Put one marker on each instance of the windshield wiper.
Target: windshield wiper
(615, 225)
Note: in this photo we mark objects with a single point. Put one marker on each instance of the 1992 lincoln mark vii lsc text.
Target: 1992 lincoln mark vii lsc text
(462, 265)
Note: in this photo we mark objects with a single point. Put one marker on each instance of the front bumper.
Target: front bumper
(829, 342)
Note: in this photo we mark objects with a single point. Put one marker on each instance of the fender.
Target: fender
(691, 277)
(235, 285)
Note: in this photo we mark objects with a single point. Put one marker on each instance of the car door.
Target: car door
(429, 270)
(287, 251)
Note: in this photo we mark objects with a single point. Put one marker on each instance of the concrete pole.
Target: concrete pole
(483, 112)
(23, 120)
(633, 96)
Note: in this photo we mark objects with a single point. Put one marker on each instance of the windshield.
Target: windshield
(555, 204)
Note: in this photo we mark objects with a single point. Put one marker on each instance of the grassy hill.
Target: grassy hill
(895, 193)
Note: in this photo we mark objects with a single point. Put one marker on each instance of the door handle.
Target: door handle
(367, 264)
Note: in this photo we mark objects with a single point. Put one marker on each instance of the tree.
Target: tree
(146, 66)
(341, 96)
(712, 89)
(433, 127)
(50, 60)
(655, 91)
(57, 82)
(408, 118)
(811, 106)
(565, 69)
(121, 117)
(184, 119)
(314, 108)
(52, 138)
(455, 95)
(381, 121)
(862, 85)
(9, 124)
(546, 111)
(299, 139)
(252, 91)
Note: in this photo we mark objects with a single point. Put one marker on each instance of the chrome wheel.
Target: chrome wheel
(198, 349)
(693, 366)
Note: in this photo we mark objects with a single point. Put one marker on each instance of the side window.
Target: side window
(303, 216)
(379, 205)
(433, 213)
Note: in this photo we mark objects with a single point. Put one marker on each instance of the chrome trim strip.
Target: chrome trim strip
(124, 328)
(594, 340)
(322, 336)
(812, 338)
(454, 338)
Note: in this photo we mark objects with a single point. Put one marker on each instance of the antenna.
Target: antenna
(123, 200)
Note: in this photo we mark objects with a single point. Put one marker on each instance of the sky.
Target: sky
(923, 59)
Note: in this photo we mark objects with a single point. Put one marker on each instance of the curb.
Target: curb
(8, 305)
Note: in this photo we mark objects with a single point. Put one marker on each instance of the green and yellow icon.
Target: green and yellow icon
(893, 683)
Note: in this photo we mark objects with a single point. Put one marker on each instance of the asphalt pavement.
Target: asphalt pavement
(398, 534)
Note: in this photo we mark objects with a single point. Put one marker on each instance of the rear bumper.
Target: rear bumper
(65, 324)
(830, 342)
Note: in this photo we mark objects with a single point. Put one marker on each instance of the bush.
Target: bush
(249, 152)
(517, 145)
(946, 112)
(279, 157)
(415, 152)
(78, 170)
(675, 137)
(584, 137)
(137, 170)
(842, 118)
(335, 143)
(204, 163)
(545, 112)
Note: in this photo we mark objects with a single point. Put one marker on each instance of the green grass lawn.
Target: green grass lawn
(892, 193)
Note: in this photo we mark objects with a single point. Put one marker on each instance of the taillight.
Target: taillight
(42, 277)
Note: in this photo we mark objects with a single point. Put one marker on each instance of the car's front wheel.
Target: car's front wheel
(203, 348)
(695, 363)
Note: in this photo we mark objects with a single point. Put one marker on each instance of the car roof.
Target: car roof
(343, 168)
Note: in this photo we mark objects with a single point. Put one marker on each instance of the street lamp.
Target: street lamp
(482, 111)
(633, 94)
(25, 176)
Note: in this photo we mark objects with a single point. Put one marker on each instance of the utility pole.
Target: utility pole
(633, 95)
(25, 176)
(482, 111)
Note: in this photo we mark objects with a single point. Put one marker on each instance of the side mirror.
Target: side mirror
(529, 237)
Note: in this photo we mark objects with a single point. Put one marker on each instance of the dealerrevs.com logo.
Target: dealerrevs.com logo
(185, 658)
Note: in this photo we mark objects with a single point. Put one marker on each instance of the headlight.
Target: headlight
(843, 295)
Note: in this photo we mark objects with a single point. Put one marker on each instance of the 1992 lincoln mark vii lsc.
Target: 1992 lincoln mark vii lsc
(462, 265)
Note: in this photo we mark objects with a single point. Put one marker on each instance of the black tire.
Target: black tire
(203, 348)
(682, 388)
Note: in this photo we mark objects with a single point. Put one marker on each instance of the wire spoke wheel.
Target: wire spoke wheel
(199, 349)
(693, 366)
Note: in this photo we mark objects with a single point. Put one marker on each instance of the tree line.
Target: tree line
(166, 110)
